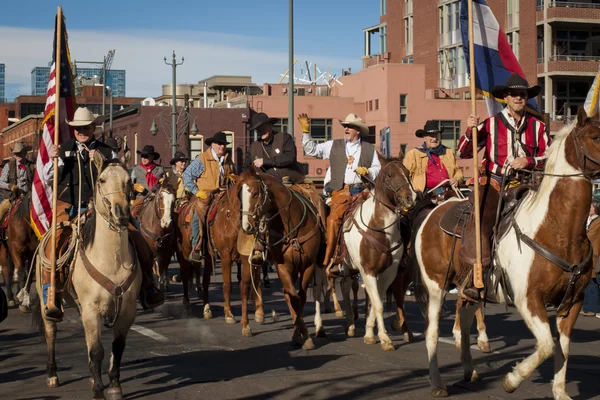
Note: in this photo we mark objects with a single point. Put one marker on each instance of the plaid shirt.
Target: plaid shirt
(195, 170)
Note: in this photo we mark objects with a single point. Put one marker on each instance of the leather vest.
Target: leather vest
(339, 161)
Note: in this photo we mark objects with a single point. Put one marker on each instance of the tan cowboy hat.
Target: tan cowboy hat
(19, 148)
(83, 117)
(352, 120)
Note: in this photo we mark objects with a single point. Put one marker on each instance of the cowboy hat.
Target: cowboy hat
(431, 127)
(149, 150)
(353, 121)
(515, 81)
(219, 137)
(261, 119)
(82, 117)
(19, 148)
(179, 156)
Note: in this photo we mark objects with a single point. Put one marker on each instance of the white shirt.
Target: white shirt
(323, 151)
(589, 221)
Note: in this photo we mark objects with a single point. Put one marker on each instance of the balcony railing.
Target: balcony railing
(569, 4)
(571, 58)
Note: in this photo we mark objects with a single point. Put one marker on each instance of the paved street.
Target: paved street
(169, 356)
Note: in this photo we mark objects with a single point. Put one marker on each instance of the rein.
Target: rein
(158, 211)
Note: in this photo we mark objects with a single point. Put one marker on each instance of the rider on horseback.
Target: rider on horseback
(176, 176)
(210, 172)
(350, 160)
(17, 174)
(84, 146)
(513, 140)
(145, 176)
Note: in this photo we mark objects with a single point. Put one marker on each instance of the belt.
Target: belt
(354, 185)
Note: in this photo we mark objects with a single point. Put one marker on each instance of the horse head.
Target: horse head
(392, 185)
(112, 192)
(586, 138)
(254, 198)
(164, 202)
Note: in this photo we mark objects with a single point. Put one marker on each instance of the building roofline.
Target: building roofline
(22, 120)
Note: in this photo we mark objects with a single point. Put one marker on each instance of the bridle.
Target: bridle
(159, 210)
(113, 225)
(579, 149)
(388, 184)
(258, 212)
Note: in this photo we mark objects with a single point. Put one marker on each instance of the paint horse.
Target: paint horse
(542, 257)
(106, 277)
(284, 223)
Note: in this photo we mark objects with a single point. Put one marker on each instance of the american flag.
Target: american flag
(41, 196)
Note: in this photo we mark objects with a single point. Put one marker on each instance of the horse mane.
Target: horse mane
(88, 232)
(553, 151)
(24, 208)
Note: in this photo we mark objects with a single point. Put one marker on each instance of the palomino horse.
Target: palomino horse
(540, 253)
(284, 223)
(106, 276)
(156, 226)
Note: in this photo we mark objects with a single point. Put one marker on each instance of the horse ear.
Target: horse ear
(99, 161)
(382, 160)
(126, 157)
(582, 116)
(400, 155)
(252, 170)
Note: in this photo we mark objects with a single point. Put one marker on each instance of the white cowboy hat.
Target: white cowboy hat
(82, 117)
(354, 121)
(20, 147)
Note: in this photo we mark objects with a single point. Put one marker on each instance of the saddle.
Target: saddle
(13, 209)
(213, 208)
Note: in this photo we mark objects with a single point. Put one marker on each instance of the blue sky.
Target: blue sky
(216, 37)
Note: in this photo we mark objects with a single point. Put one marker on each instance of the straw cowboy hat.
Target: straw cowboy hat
(149, 150)
(353, 121)
(260, 119)
(431, 127)
(20, 148)
(219, 137)
(83, 117)
(179, 156)
(515, 81)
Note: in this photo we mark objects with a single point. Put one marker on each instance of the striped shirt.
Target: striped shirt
(504, 141)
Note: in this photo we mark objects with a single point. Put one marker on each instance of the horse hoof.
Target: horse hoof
(114, 393)
(350, 332)
(408, 337)
(508, 387)
(11, 303)
(484, 346)
(396, 325)
(207, 313)
(321, 333)
(230, 320)
(472, 376)
(52, 382)
(339, 314)
(275, 317)
(308, 345)
(24, 309)
(259, 318)
(387, 346)
(247, 332)
(99, 396)
(370, 340)
(439, 392)
(176, 279)
(91, 382)
(297, 339)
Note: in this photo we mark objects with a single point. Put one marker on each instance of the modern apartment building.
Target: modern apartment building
(115, 78)
(2, 84)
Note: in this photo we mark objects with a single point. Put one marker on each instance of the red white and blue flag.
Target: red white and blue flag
(41, 193)
(495, 61)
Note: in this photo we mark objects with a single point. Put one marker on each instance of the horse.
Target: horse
(283, 222)
(542, 256)
(105, 275)
(156, 225)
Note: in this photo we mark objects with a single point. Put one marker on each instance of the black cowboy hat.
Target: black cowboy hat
(431, 127)
(179, 156)
(219, 137)
(261, 119)
(147, 150)
(515, 81)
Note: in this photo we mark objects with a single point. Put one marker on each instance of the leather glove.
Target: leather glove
(201, 194)
(304, 123)
(232, 178)
(13, 188)
(362, 171)
(138, 187)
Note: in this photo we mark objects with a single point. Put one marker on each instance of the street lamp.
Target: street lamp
(182, 122)
(174, 65)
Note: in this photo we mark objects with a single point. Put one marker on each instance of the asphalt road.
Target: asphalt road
(171, 356)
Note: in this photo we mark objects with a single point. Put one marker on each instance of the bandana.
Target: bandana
(438, 151)
(151, 179)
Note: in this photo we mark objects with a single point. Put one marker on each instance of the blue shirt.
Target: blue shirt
(195, 170)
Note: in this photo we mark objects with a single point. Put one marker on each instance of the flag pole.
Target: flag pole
(477, 268)
(57, 61)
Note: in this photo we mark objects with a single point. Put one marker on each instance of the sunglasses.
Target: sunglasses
(518, 93)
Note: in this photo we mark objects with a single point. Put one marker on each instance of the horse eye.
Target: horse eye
(102, 180)
(596, 138)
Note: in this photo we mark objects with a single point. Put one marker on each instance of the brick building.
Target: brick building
(27, 130)
(557, 44)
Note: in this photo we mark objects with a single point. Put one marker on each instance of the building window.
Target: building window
(408, 35)
(408, 7)
(570, 94)
(281, 125)
(512, 14)
(372, 135)
(513, 41)
(449, 24)
(403, 108)
(196, 145)
(377, 104)
(382, 7)
(453, 70)
(230, 136)
(383, 39)
(576, 43)
(370, 105)
(321, 129)
(451, 133)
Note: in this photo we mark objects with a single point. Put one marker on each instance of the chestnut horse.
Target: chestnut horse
(538, 258)
(157, 228)
(284, 223)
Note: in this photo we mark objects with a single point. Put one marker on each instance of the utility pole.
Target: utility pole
(103, 96)
(291, 71)
(110, 123)
(174, 65)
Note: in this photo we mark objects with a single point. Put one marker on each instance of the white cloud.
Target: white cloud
(141, 52)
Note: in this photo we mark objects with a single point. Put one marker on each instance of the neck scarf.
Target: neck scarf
(151, 179)
(438, 151)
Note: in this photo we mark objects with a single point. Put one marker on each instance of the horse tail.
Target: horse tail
(421, 293)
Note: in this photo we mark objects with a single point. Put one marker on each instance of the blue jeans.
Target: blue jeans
(195, 230)
(591, 302)
(74, 212)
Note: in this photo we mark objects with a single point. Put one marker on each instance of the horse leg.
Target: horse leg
(456, 332)
(466, 320)
(244, 289)
(345, 285)
(336, 304)
(7, 273)
(50, 335)
(208, 269)
(399, 286)
(114, 391)
(294, 302)
(184, 268)
(226, 271)
(91, 325)
(259, 312)
(539, 326)
(564, 329)
(432, 332)
(370, 283)
(354, 281)
(305, 277)
(383, 282)
(320, 279)
(482, 339)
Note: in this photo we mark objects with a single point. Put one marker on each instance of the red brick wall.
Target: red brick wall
(528, 41)
(573, 13)
(426, 39)
(27, 132)
(395, 29)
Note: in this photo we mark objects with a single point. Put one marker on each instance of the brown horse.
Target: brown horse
(283, 222)
(542, 256)
(156, 225)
